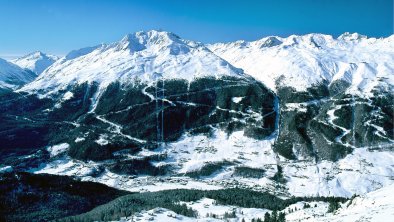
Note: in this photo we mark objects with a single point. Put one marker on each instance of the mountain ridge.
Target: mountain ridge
(12, 76)
(303, 61)
(136, 56)
(36, 61)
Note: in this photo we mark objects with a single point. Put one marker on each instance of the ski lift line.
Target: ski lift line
(157, 116)
(162, 113)
(160, 95)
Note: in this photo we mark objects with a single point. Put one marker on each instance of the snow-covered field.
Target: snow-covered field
(193, 152)
(207, 210)
(376, 206)
(207, 207)
(360, 172)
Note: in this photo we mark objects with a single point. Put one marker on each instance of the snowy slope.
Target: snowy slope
(12, 76)
(36, 61)
(205, 207)
(150, 55)
(358, 173)
(146, 56)
(303, 61)
(375, 206)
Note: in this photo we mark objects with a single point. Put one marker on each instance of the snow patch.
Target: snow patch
(6, 169)
(67, 96)
(102, 141)
(79, 139)
(237, 99)
(58, 149)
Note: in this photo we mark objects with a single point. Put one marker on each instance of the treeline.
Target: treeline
(128, 205)
(248, 172)
(271, 217)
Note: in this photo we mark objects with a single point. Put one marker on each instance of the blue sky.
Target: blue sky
(59, 26)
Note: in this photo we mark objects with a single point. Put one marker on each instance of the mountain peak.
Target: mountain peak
(153, 35)
(36, 53)
(36, 61)
(351, 36)
(141, 40)
(269, 42)
(144, 55)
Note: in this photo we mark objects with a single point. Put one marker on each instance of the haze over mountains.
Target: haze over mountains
(304, 116)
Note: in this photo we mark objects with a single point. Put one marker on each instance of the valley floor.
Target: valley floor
(376, 206)
(360, 172)
(365, 172)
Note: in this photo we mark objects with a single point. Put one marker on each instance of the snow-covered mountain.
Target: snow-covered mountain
(301, 62)
(146, 56)
(147, 90)
(321, 81)
(36, 61)
(304, 116)
(12, 76)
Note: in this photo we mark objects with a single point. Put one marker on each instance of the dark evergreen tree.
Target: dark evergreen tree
(274, 216)
(267, 217)
(334, 205)
(281, 217)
